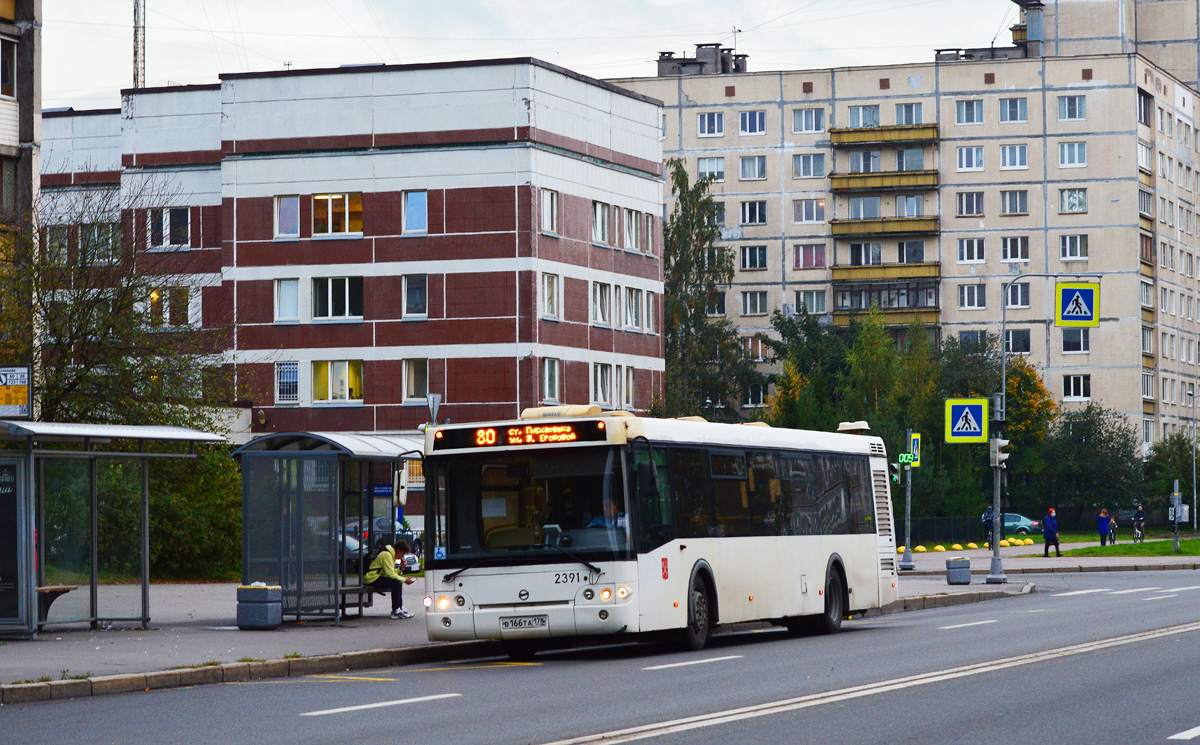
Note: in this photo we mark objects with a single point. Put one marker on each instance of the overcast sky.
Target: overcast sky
(88, 44)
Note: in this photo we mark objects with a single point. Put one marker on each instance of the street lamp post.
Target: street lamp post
(1192, 394)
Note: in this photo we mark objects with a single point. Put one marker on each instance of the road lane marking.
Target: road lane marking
(658, 729)
(356, 677)
(1190, 734)
(1136, 589)
(1161, 597)
(1041, 610)
(964, 625)
(694, 662)
(1182, 589)
(1077, 592)
(380, 705)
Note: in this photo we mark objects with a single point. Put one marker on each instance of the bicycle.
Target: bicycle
(1139, 531)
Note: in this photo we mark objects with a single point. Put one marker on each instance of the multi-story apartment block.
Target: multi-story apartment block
(488, 231)
(924, 190)
(20, 108)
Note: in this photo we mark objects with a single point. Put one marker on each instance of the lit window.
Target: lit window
(339, 380)
(337, 214)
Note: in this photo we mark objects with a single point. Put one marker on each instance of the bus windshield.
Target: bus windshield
(533, 503)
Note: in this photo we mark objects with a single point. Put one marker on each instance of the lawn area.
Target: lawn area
(1187, 547)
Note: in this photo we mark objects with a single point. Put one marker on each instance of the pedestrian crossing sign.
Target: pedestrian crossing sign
(1076, 304)
(966, 420)
(914, 448)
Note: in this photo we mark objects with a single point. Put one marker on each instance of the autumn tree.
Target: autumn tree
(806, 392)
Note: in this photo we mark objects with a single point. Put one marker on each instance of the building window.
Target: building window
(287, 217)
(1148, 385)
(805, 210)
(811, 165)
(865, 161)
(1147, 294)
(970, 158)
(287, 300)
(1073, 247)
(755, 213)
(810, 256)
(754, 168)
(910, 252)
(753, 346)
(602, 384)
(908, 114)
(651, 305)
(416, 380)
(337, 297)
(338, 380)
(754, 257)
(910, 205)
(1147, 431)
(812, 301)
(8, 68)
(1145, 108)
(718, 214)
(58, 241)
(549, 211)
(1071, 108)
(600, 218)
(970, 338)
(808, 120)
(910, 159)
(337, 214)
(287, 382)
(1016, 341)
(756, 396)
(968, 112)
(1014, 202)
(602, 304)
(550, 380)
(752, 122)
(416, 295)
(1145, 204)
(864, 208)
(1014, 157)
(716, 304)
(866, 254)
(1017, 295)
(1147, 340)
(1076, 340)
(628, 389)
(1013, 110)
(98, 243)
(970, 250)
(712, 124)
(1072, 154)
(633, 308)
(1077, 387)
(169, 228)
(1072, 201)
(633, 230)
(712, 168)
(754, 303)
(970, 203)
(1145, 157)
(864, 116)
(1014, 248)
(972, 297)
(170, 306)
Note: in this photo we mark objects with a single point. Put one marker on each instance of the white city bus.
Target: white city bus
(572, 521)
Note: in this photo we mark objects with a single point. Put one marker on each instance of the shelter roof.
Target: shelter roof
(363, 446)
(76, 432)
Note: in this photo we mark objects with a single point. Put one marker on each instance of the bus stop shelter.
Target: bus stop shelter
(75, 521)
(313, 506)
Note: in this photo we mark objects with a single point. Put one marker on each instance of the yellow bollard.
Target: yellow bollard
(972, 545)
(956, 547)
(900, 549)
(1028, 541)
(919, 550)
(1004, 543)
(939, 548)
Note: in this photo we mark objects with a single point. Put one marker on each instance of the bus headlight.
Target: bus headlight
(622, 592)
(606, 594)
(428, 602)
(443, 602)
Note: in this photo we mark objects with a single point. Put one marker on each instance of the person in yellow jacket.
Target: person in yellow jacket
(382, 575)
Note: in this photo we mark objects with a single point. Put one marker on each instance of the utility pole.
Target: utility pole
(907, 562)
(139, 43)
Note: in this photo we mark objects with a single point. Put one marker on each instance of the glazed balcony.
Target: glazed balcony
(886, 272)
(895, 135)
(884, 226)
(891, 316)
(842, 183)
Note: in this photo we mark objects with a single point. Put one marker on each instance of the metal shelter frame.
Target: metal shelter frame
(39, 439)
(297, 489)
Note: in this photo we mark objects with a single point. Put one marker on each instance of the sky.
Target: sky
(88, 44)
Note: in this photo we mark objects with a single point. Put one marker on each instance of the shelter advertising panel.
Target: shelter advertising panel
(10, 546)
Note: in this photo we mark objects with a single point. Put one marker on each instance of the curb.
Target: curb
(239, 672)
(1064, 569)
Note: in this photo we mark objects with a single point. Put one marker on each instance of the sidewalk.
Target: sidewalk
(1018, 560)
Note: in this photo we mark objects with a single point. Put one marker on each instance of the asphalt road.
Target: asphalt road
(1088, 658)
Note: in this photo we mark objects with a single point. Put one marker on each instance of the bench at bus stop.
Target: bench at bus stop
(46, 597)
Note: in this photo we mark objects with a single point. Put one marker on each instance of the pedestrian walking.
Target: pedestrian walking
(989, 524)
(1102, 527)
(1050, 532)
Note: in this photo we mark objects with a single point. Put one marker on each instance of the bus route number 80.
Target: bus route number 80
(484, 437)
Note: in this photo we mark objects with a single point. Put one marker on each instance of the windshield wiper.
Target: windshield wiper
(450, 577)
(592, 567)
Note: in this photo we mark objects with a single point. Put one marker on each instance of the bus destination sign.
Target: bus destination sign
(549, 433)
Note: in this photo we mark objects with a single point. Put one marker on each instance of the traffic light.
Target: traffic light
(998, 457)
(895, 468)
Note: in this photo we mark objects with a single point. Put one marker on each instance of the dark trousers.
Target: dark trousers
(1053, 542)
(1103, 539)
(393, 586)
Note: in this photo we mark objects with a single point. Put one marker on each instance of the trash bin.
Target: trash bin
(958, 571)
(259, 606)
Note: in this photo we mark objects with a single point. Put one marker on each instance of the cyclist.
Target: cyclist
(1139, 524)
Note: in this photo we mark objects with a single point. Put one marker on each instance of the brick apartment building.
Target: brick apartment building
(489, 231)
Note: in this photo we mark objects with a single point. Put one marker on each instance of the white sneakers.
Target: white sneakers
(401, 613)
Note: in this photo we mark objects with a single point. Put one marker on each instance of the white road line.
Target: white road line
(1161, 597)
(658, 729)
(1137, 589)
(1077, 592)
(379, 705)
(1182, 589)
(694, 662)
(1190, 734)
(964, 625)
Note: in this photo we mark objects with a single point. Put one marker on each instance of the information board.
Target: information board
(9, 546)
(15, 400)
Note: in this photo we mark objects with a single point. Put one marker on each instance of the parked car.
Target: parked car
(385, 527)
(408, 564)
(1015, 524)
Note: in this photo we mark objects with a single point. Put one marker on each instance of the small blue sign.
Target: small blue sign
(381, 490)
(439, 552)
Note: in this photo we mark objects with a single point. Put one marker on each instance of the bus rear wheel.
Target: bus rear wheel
(699, 626)
(830, 622)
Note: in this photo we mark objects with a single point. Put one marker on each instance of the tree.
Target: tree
(1170, 459)
(707, 366)
(109, 326)
(1094, 460)
(813, 357)
(1030, 416)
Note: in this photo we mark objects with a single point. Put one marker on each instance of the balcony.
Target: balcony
(891, 316)
(896, 135)
(886, 272)
(884, 181)
(884, 226)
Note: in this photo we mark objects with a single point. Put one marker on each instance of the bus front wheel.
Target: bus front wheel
(699, 626)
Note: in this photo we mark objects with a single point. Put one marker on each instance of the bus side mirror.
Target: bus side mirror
(648, 480)
(400, 484)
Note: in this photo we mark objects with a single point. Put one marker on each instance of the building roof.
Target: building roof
(353, 445)
(75, 432)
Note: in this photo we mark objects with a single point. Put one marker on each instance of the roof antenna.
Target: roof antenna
(736, 31)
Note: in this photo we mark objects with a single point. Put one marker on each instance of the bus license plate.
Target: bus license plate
(524, 622)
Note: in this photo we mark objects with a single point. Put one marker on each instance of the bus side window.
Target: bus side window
(730, 492)
(655, 519)
(797, 472)
(858, 482)
(690, 487)
(766, 503)
(830, 494)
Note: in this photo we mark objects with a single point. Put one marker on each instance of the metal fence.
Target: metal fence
(928, 531)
